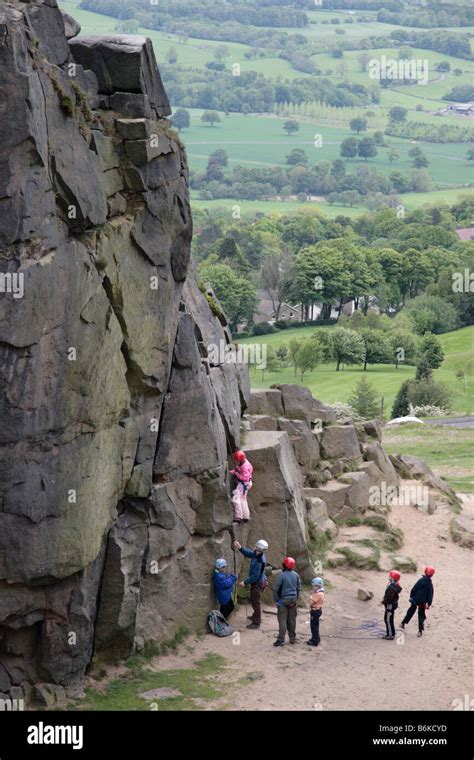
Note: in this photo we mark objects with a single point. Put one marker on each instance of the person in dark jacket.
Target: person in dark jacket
(224, 586)
(421, 596)
(256, 578)
(390, 602)
(286, 595)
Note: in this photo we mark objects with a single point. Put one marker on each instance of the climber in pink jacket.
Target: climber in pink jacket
(243, 472)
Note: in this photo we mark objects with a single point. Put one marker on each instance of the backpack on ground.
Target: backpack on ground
(218, 624)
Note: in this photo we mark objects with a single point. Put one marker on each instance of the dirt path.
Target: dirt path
(354, 669)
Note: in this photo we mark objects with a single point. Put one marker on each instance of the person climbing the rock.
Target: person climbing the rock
(224, 586)
(256, 579)
(421, 596)
(390, 602)
(243, 472)
(316, 601)
(286, 595)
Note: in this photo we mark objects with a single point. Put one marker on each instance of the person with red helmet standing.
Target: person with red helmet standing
(421, 597)
(243, 472)
(390, 602)
(286, 595)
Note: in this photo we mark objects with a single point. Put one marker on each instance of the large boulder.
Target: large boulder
(462, 530)
(304, 441)
(123, 63)
(266, 401)
(340, 441)
(375, 453)
(276, 500)
(358, 494)
(299, 404)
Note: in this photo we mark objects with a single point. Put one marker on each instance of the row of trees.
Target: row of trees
(324, 178)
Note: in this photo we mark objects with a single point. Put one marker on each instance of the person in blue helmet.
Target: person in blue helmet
(224, 586)
(316, 601)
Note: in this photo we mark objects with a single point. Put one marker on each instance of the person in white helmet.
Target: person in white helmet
(224, 586)
(256, 578)
(316, 601)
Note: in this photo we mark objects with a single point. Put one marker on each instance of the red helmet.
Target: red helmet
(429, 571)
(289, 563)
(395, 575)
(239, 456)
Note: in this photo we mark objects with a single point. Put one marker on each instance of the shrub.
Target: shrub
(428, 410)
(429, 392)
(263, 328)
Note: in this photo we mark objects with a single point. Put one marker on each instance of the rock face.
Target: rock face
(115, 426)
(118, 414)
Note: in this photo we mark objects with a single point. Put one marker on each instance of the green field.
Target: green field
(448, 450)
(260, 141)
(329, 386)
(257, 140)
(193, 52)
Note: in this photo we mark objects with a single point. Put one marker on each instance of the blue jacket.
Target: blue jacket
(257, 566)
(287, 586)
(422, 592)
(224, 585)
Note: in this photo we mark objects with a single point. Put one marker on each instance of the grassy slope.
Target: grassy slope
(449, 451)
(330, 386)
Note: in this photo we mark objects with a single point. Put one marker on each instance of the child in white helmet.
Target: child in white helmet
(224, 586)
(316, 601)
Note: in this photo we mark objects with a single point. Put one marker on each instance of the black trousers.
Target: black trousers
(314, 623)
(227, 609)
(421, 616)
(389, 622)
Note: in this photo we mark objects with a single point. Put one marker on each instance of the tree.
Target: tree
(393, 155)
(272, 362)
(418, 158)
(363, 59)
(293, 348)
(404, 346)
(172, 55)
(401, 404)
(297, 157)
(219, 157)
(397, 114)
(210, 117)
(221, 51)
(308, 356)
(364, 399)
(348, 347)
(128, 26)
(349, 148)
(432, 350)
(236, 294)
(291, 126)
(367, 148)
(181, 119)
(377, 347)
(359, 124)
(423, 369)
(282, 353)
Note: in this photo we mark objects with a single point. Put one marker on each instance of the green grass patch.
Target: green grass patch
(194, 684)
